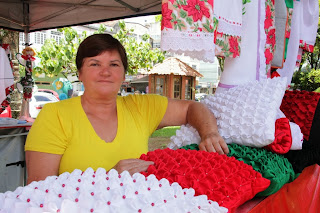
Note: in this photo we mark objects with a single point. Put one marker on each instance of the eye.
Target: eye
(94, 65)
(114, 65)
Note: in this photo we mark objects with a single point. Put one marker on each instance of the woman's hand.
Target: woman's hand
(213, 142)
(132, 165)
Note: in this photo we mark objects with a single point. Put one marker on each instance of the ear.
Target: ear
(79, 76)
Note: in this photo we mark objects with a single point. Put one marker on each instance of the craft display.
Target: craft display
(299, 107)
(188, 28)
(6, 77)
(273, 167)
(289, 65)
(310, 153)
(283, 138)
(223, 179)
(26, 59)
(101, 191)
(246, 114)
(251, 64)
(309, 24)
(228, 29)
(281, 18)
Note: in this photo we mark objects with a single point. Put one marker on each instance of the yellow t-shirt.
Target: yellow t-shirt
(63, 128)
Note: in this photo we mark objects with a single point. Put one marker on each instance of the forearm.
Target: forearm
(200, 117)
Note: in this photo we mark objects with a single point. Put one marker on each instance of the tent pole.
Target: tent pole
(27, 79)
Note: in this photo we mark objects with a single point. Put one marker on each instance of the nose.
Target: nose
(105, 71)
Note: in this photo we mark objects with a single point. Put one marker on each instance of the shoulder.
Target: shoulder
(67, 106)
(143, 100)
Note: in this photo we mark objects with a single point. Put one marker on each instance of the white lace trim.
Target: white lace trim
(229, 14)
(197, 45)
(225, 27)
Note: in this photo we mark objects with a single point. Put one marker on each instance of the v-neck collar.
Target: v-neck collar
(119, 114)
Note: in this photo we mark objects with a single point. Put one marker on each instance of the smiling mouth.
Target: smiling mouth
(105, 81)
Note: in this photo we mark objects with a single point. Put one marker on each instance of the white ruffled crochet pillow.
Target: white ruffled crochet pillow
(245, 114)
(100, 191)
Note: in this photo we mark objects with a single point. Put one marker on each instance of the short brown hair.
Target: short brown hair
(98, 43)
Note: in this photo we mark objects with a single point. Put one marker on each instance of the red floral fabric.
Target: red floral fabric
(299, 107)
(306, 47)
(283, 138)
(269, 28)
(223, 179)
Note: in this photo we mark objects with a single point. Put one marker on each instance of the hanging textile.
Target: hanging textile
(281, 18)
(309, 24)
(247, 67)
(289, 65)
(6, 79)
(187, 28)
(228, 17)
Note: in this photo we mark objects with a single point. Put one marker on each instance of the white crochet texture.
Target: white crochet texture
(99, 191)
(245, 114)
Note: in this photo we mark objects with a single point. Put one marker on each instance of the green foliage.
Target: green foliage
(312, 59)
(308, 75)
(165, 132)
(60, 58)
(309, 80)
(158, 18)
(140, 54)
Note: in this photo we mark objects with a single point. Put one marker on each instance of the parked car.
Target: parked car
(50, 92)
(200, 96)
(38, 100)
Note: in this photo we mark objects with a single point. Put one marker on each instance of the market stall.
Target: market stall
(244, 33)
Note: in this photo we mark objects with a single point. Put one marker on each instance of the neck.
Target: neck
(94, 105)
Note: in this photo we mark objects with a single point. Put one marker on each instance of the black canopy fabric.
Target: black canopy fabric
(34, 15)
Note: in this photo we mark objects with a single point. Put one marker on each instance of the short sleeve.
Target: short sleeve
(47, 132)
(152, 108)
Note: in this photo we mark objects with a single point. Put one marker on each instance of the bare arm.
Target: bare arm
(41, 165)
(199, 116)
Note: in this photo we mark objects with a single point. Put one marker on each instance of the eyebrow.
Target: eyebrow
(116, 60)
(91, 59)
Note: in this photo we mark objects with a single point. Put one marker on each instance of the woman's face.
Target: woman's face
(102, 74)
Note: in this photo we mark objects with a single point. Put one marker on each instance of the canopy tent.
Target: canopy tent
(34, 15)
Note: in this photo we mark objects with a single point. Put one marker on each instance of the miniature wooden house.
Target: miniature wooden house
(173, 79)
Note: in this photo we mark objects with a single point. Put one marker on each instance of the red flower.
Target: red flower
(269, 21)
(210, 2)
(268, 55)
(172, 1)
(234, 46)
(196, 9)
(275, 74)
(166, 17)
(288, 34)
(311, 48)
(271, 37)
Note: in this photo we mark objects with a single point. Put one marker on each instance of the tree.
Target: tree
(140, 54)
(309, 81)
(308, 75)
(60, 58)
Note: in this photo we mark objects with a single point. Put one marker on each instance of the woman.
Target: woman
(102, 129)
